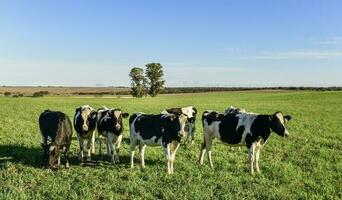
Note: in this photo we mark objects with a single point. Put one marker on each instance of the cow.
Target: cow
(164, 130)
(85, 124)
(190, 112)
(110, 125)
(241, 128)
(56, 131)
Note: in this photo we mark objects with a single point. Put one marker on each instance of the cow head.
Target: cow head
(278, 121)
(190, 112)
(174, 124)
(88, 115)
(116, 115)
(54, 156)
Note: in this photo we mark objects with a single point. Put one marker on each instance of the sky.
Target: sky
(199, 43)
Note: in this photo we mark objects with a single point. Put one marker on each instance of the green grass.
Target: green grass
(307, 165)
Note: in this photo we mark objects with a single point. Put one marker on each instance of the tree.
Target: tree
(154, 74)
(138, 81)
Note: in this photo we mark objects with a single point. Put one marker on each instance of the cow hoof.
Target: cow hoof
(88, 159)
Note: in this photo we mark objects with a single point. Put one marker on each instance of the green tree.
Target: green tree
(154, 73)
(138, 81)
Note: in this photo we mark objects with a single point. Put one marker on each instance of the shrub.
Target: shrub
(7, 94)
(40, 93)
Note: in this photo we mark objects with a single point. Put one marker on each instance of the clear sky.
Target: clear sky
(199, 43)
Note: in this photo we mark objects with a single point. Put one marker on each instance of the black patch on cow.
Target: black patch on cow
(229, 132)
(159, 126)
(260, 129)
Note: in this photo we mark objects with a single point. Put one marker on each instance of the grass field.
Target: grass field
(307, 165)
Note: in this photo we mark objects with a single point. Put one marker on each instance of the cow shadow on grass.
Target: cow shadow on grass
(33, 157)
(29, 156)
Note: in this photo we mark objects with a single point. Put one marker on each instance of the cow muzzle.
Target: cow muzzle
(286, 134)
(85, 127)
(117, 127)
(181, 134)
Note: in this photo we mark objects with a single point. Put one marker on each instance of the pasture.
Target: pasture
(307, 165)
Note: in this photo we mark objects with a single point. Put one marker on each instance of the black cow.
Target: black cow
(85, 123)
(110, 125)
(190, 112)
(241, 128)
(56, 132)
(163, 130)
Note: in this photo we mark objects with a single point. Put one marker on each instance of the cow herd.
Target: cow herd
(233, 126)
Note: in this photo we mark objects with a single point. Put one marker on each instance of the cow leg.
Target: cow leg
(256, 160)
(133, 143)
(100, 147)
(142, 154)
(251, 156)
(93, 143)
(168, 158)
(202, 152)
(81, 142)
(110, 148)
(173, 149)
(89, 148)
(209, 141)
(66, 156)
(117, 149)
(192, 138)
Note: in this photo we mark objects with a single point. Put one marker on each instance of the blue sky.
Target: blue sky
(199, 43)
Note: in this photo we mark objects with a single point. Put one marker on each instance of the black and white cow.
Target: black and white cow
(163, 130)
(190, 112)
(56, 131)
(241, 128)
(85, 123)
(110, 125)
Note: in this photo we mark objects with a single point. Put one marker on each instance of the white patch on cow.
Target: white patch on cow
(281, 118)
(117, 113)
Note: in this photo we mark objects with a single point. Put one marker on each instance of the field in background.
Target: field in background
(28, 91)
(307, 165)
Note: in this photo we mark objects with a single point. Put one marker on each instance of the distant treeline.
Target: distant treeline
(175, 90)
(171, 90)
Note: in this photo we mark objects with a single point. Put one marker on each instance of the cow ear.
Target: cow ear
(125, 115)
(287, 117)
(195, 110)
